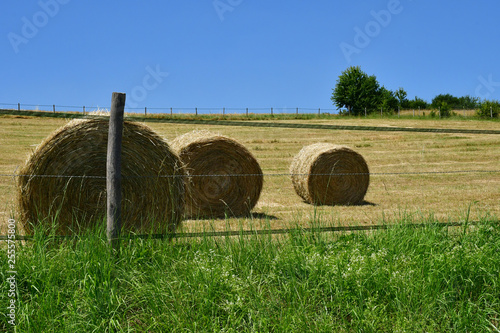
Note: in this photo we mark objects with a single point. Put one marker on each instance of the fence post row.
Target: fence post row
(113, 170)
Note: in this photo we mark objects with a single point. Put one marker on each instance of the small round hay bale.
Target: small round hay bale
(224, 191)
(326, 174)
(152, 180)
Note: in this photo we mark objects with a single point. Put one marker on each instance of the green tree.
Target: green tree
(417, 103)
(468, 102)
(355, 90)
(388, 102)
(452, 101)
(401, 94)
(488, 108)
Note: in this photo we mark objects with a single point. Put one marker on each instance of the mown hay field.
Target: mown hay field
(414, 173)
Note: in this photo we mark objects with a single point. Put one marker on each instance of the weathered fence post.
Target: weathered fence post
(491, 111)
(297, 111)
(223, 111)
(84, 110)
(398, 111)
(271, 111)
(54, 108)
(18, 106)
(170, 112)
(365, 112)
(145, 111)
(319, 111)
(246, 112)
(113, 170)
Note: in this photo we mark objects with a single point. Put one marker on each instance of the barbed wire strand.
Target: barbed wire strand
(265, 174)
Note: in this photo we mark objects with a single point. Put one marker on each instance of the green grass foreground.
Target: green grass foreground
(400, 279)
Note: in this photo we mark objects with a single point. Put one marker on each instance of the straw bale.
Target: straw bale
(327, 174)
(215, 165)
(152, 180)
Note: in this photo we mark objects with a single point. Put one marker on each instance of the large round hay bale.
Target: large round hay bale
(67, 180)
(326, 174)
(224, 178)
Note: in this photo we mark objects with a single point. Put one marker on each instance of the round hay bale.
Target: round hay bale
(326, 174)
(67, 180)
(224, 191)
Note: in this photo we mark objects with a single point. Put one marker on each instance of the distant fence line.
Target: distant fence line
(214, 111)
(166, 110)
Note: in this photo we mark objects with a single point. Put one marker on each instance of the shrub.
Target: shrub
(488, 109)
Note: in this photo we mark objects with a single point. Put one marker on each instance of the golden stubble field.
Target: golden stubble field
(390, 155)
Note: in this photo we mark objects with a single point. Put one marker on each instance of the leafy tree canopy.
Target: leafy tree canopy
(355, 90)
(450, 100)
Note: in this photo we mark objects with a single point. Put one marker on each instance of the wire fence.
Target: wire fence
(86, 109)
(248, 123)
(267, 174)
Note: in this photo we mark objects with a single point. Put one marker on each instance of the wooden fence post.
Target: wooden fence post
(113, 170)
(196, 111)
(297, 111)
(170, 112)
(145, 111)
(18, 106)
(271, 111)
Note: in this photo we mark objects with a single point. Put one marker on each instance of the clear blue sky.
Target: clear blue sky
(243, 53)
